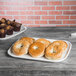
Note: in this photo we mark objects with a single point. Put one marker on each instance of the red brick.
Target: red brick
(62, 17)
(40, 22)
(7, 3)
(37, 22)
(73, 7)
(25, 8)
(72, 17)
(55, 3)
(18, 8)
(55, 22)
(2, 12)
(48, 8)
(61, 25)
(69, 2)
(40, 12)
(33, 25)
(12, 13)
(23, 17)
(19, 17)
(26, 12)
(40, 3)
(17, 3)
(1, 3)
(5, 8)
(25, 3)
(48, 17)
(69, 12)
(33, 17)
(16, 17)
(7, 17)
(55, 12)
(27, 22)
(62, 8)
(48, 25)
(43, 22)
(33, 8)
(69, 22)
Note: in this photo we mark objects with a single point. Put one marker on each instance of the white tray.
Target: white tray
(65, 55)
(23, 28)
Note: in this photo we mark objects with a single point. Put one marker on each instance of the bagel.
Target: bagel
(44, 41)
(30, 40)
(62, 43)
(20, 47)
(37, 49)
(56, 50)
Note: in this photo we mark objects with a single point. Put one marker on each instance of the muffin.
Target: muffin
(3, 25)
(0, 22)
(3, 20)
(8, 22)
(2, 33)
(14, 20)
(9, 30)
(16, 26)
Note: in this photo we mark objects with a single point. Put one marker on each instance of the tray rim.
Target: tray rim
(47, 60)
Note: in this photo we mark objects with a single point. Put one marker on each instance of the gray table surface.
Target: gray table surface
(10, 66)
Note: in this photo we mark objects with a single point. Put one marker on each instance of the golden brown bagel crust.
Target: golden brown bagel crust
(36, 49)
(30, 40)
(62, 43)
(20, 47)
(44, 41)
(55, 50)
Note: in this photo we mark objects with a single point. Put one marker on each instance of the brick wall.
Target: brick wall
(36, 13)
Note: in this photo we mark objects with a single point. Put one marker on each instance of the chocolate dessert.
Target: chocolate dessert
(3, 20)
(9, 30)
(8, 27)
(8, 22)
(16, 26)
(3, 25)
(0, 22)
(2, 33)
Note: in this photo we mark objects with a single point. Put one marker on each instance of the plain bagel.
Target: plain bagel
(36, 49)
(29, 39)
(55, 50)
(20, 47)
(44, 41)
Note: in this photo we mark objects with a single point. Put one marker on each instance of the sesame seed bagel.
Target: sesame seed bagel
(36, 49)
(20, 47)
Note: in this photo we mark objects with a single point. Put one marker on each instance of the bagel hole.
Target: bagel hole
(19, 46)
(35, 47)
(53, 51)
